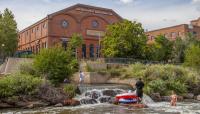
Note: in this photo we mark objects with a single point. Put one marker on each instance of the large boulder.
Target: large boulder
(188, 96)
(88, 101)
(51, 94)
(156, 97)
(36, 104)
(104, 99)
(71, 102)
(111, 93)
(5, 105)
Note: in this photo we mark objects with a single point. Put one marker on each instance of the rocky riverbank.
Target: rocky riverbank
(189, 97)
(46, 96)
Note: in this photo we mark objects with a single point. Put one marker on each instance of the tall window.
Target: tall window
(91, 50)
(83, 51)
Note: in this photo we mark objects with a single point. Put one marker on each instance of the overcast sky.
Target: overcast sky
(153, 14)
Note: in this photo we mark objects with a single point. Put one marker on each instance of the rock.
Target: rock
(88, 101)
(188, 96)
(166, 98)
(71, 102)
(198, 97)
(36, 104)
(51, 94)
(156, 97)
(5, 105)
(180, 98)
(59, 105)
(104, 99)
(21, 104)
(110, 93)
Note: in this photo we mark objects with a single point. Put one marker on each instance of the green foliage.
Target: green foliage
(55, 64)
(178, 53)
(158, 86)
(8, 33)
(160, 78)
(70, 89)
(19, 84)
(27, 68)
(161, 50)
(75, 42)
(124, 39)
(192, 58)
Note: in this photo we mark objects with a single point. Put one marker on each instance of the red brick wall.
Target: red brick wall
(79, 21)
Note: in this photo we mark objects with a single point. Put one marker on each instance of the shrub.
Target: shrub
(27, 68)
(55, 64)
(164, 78)
(70, 89)
(177, 86)
(157, 86)
(19, 84)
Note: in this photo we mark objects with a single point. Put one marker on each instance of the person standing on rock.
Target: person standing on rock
(139, 89)
(81, 76)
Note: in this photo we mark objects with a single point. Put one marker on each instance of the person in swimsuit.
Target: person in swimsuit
(173, 99)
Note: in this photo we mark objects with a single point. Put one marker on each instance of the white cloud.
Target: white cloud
(126, 1)
(195, 1)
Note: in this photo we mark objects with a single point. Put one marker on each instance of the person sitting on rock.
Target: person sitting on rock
(173, 99)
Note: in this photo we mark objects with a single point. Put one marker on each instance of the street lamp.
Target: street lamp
(99, 45)
(3, 45)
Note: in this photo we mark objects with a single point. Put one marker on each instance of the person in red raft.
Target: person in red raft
(139, 89)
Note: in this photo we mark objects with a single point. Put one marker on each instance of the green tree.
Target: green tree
(192, 58)
(163, 48)
(74, 43)
(178, 52)
(54, 64)
(124, 39)
(8, 33)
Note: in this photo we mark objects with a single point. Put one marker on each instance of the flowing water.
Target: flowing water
(95, 100)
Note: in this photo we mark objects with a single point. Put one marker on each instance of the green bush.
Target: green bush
(177, 86)
(18, 84)
(55, 64)
(157, 86)
(164, 78)
(70, 89)
(27, 68)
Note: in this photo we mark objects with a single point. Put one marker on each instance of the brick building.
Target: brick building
(177, 31)
(58, 27)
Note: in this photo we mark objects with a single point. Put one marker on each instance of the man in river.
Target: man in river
(173, 99)
(139, 89)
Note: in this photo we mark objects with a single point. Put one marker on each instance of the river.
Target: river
(106, 108)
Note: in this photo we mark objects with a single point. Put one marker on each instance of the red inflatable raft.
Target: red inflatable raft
(127, 98)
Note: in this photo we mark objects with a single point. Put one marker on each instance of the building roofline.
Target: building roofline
(30, 26)
(68, 8)
(195, 20)
(166, 28)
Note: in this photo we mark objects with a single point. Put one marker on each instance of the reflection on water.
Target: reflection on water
(156, 108)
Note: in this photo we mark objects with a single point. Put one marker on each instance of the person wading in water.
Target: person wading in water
(173, 99)
(139, 89)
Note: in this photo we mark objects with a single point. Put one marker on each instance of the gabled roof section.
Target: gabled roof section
(70, 8)
(85, 6)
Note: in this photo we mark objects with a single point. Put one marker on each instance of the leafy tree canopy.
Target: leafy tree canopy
(124, 39)
(8, 33)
